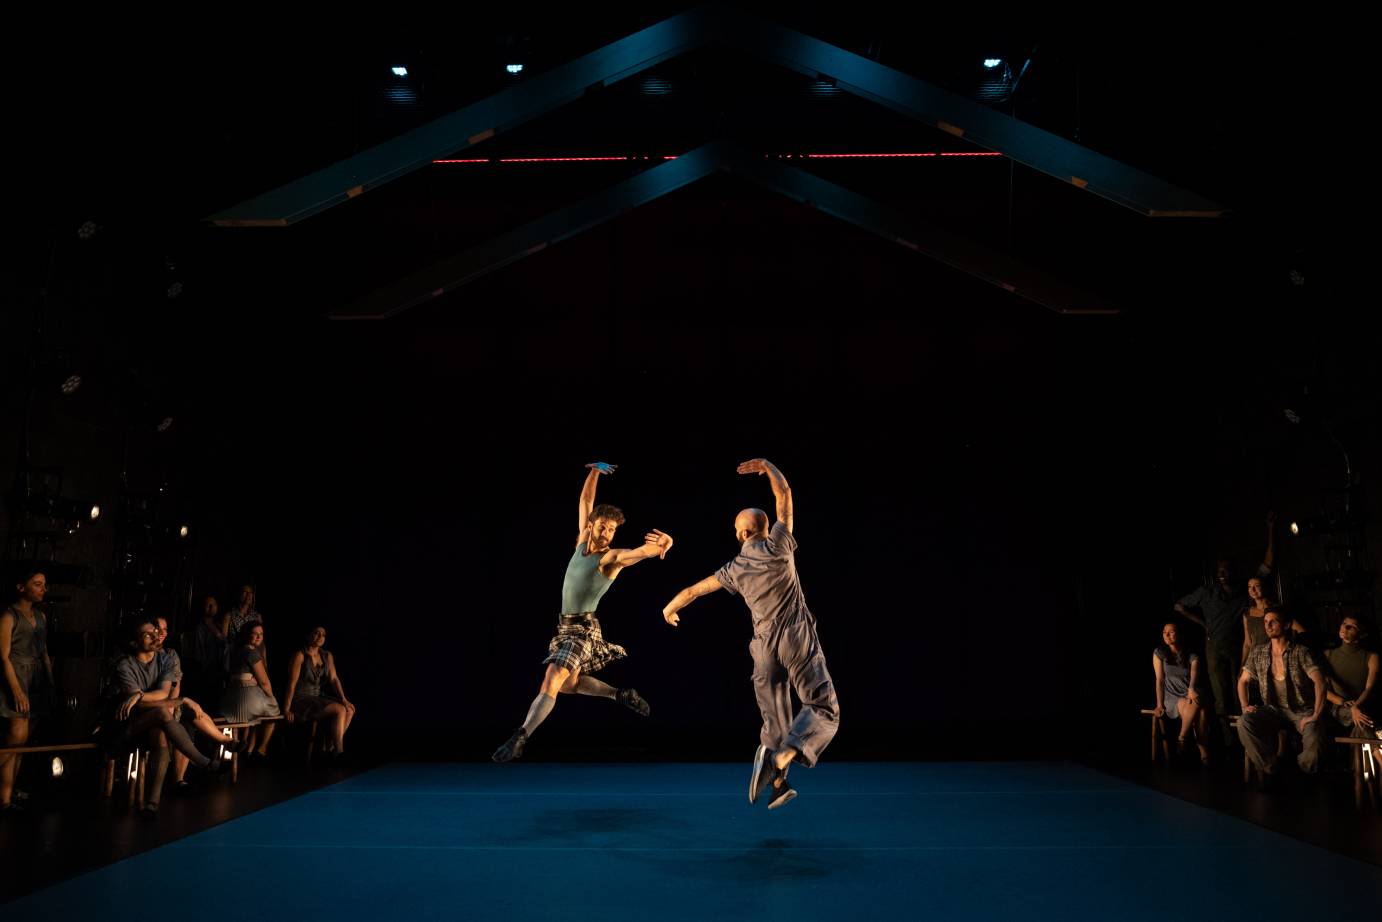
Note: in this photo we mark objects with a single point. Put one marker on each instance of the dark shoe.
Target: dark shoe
(631, 699)
(11, 809)
(782, 794)
(182, 788)
(764, 773)
(231, 745)
(214, 767)
(149, 811)
(512, 748)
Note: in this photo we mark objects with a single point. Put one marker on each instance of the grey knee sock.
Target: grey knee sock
(537, 713)
(153, 785)
(589, 685)
(178, 738)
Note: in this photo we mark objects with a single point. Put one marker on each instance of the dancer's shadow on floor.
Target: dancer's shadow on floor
(765, 862)
(660, 840)
(568, 826)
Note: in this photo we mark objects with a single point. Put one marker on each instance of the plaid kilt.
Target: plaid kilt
(583, 647)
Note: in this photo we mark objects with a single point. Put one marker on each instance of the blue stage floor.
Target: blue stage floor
(871, 841)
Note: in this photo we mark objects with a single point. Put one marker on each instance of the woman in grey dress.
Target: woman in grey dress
(314, 689)
(248, 694)
(1177, 695)
(28, 673)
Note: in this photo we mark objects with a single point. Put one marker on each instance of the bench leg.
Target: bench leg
(144, 786)
(1357, 777)
(1375, 784)
(131, 775)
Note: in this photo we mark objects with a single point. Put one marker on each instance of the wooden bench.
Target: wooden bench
(315, 742)
(137, 761)
(1365, 750)
(1250, 770)
(133, 772)
(1159, 745)
(57, 747)
(234, 727)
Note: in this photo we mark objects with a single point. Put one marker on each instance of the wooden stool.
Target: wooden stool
(235, 727)
(1160, 747)
(1365, 751)
(136, 766)
(1250, 770)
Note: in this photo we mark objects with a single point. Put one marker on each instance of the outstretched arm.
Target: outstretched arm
(686, 597)
(781, 491)
(655, 544)
(587, 502)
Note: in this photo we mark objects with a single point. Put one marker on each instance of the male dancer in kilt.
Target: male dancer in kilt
(579, 648)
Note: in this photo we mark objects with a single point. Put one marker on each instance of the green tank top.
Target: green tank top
(584, 583)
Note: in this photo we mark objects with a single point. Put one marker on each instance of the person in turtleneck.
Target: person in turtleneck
(1352, 677)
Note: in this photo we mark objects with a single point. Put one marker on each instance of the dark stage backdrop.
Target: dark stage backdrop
(996, 505)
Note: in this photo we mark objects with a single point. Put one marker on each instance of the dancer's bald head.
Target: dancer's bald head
(750, 523)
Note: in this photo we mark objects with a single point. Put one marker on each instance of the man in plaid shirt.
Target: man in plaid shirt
(1293, 697)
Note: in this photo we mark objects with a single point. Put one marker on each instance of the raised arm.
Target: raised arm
(587, 502)
(781, 491)
(687, 596)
